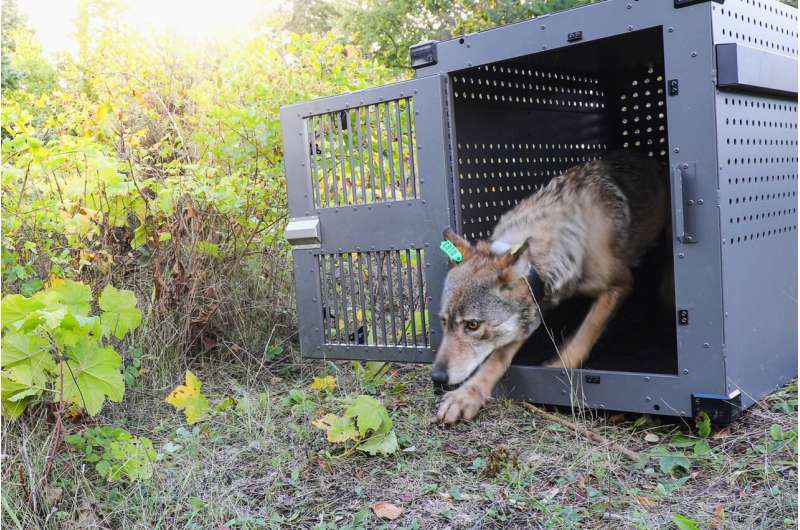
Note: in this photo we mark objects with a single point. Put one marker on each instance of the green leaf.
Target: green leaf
(701, 448)
(380, 443)
(91, 374)
(27, 358)
(52, 319)
(140, 236)
(338, 429)
(16, 309)
(74, 296)
(680, 440)
(369, 414)
(9, 389)
(684, 523)
(103, 467)
(776, 432)
(120, 314)
(703, 423)
(672, 462)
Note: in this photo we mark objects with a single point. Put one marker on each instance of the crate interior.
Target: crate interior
(522, 121)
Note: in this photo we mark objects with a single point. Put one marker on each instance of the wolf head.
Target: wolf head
(486, 304)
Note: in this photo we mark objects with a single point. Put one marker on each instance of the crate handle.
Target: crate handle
(679, 206)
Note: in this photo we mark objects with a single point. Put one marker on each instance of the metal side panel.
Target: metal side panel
(757, 150)
(368, 184)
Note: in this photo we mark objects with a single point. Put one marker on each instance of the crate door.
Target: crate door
(367, 177)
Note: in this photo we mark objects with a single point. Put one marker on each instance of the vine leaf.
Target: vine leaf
(16, 309)
(339, 429)
(369, 414)
(26, 359)
(75, 297)
(189, 399)
(92, 373)
(120, 314)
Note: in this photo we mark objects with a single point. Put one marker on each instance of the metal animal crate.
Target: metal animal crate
(711, 87)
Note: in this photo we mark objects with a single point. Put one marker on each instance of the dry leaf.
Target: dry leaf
(722, 433)
(644, 501)
(717, 522)
(387, 510)
(52, 495)
(617, 418)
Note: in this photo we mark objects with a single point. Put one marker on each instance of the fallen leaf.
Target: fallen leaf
(718, 521)
(189, 399)
(650, 437)
(387, 510)
(617, 418)
(52, 495)
(722, 433)
(552, 492)
(644, 501)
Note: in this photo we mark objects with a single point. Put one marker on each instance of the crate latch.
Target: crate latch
(682, 184)
(303, 232)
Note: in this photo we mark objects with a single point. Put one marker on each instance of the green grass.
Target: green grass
(262, 464)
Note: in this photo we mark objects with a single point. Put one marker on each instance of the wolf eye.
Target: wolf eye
(472, 325)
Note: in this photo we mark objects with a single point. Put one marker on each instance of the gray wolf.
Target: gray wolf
(582, 233)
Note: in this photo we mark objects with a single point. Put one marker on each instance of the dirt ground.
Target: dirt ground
(262, 463)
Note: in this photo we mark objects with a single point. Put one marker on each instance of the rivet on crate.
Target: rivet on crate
(706, 345)
(648, 399)
(685, 371)
(647, 379)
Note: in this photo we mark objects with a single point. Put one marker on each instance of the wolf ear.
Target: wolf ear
(463, 246)
(514, 264)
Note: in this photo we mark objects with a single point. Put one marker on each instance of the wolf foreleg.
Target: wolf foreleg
(467, 400)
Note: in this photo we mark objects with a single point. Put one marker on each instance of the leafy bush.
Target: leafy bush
(160, 165)
(115, 452)
(53, 349)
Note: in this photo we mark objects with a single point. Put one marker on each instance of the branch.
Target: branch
(580, 429)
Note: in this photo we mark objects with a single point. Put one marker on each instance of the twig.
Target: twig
(580, 429)
(51, 453)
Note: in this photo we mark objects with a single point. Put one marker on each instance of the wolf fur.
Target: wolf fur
(581, 233)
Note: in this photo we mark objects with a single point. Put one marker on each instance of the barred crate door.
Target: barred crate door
(367, 176)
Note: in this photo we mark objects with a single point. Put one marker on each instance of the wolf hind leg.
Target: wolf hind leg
(578, 348)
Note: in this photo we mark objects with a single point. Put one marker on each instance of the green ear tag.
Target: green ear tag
(452, 252)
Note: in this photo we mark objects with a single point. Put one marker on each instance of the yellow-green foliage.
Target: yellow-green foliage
(54, 349)
(109, 152)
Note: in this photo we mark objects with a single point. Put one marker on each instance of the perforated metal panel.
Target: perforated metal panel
(521, 122)
(763, 24)
(757, 139)
(642, 111)
(501, 158)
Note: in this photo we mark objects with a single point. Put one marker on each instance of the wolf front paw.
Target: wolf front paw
(463, 403)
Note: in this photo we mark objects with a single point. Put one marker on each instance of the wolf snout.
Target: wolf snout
(439, 376)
